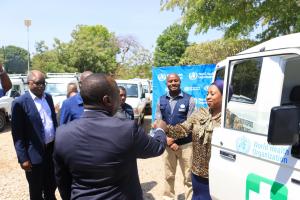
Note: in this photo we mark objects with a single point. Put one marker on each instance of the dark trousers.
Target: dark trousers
(41, 178)
(200, 188)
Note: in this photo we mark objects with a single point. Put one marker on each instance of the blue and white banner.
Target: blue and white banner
(195, 80)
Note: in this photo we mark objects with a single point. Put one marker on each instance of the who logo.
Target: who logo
(193, 76)
(161, 77)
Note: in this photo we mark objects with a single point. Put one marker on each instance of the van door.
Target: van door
(243, 165)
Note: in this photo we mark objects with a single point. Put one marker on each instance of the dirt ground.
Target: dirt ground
(13, 184)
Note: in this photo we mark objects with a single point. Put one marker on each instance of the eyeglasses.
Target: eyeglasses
(39, 83)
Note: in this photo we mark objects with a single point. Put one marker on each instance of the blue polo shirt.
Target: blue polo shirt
(71, 109)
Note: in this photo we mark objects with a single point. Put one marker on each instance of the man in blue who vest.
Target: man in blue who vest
(174, 107)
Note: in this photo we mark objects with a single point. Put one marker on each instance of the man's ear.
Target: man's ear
(107, 101)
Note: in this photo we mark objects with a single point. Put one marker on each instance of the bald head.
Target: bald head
(36, 83)
(85, 74)
(100, 91)
(34, 74)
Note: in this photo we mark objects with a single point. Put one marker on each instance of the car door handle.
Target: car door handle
(296, 181)
(228, 155)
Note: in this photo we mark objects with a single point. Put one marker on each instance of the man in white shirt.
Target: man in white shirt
(33, 130)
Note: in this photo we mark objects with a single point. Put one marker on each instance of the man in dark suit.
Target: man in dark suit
(95, 156)
(33, 130)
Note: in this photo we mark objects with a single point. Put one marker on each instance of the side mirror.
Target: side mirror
(14, 94)
(143, 95)
(284, 125)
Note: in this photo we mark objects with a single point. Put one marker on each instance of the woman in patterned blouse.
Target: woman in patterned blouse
(201, 124)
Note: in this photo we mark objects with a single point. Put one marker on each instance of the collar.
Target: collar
(179, 95)
(33, 96)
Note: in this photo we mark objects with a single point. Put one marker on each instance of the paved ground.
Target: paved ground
(13, 185)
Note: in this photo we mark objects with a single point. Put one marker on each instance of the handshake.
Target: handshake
(160, 124)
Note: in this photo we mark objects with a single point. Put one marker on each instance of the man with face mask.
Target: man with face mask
(95, 155)
(33, 130)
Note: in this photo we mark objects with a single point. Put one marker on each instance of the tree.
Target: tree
(240, 17)
(16, 59)
(214, 51)
(135, 60)
(56, 60)
(93, 48)
(170, 45)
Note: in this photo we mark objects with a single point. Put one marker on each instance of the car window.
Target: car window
(56, 89)
(131, 89)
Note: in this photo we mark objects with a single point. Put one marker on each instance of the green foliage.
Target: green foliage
(170, 46)
(93, 48)
(214, 51)
(16, 59)
(240, 17)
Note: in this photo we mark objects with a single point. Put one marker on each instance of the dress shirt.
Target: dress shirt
(45, 114)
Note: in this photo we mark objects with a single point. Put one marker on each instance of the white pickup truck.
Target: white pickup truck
(19, 86)
(261, 160)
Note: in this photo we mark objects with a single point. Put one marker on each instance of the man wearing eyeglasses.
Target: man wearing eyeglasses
(33, 130)
(72, 108)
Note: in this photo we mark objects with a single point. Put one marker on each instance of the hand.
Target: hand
(174, 147)
(26, 165)
(160, 124)
(170, 141)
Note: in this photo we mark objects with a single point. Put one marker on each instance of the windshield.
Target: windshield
(56, 89)
(131, 89)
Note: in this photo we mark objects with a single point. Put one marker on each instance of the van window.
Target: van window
(259, 84)
(245, 80)
(131, 89)
(220, 74)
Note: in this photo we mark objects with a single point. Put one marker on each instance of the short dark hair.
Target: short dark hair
(122, 88)
(95, 87)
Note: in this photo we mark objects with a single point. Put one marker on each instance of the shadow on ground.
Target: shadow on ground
(146, 187)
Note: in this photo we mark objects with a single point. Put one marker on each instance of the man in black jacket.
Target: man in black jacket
(95, 156)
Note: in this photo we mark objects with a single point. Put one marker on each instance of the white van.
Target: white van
(57, 85)
(262, 160)
(135, 97)
(147, 87)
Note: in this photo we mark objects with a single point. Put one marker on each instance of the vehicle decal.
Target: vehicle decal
(278, 154)
(259, 188)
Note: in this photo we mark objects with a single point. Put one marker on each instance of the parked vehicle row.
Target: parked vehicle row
(139, 94)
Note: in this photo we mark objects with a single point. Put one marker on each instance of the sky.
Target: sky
(51, 19)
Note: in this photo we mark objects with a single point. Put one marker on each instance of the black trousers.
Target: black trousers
(41, 178)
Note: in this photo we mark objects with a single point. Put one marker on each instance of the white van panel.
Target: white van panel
(260, 169)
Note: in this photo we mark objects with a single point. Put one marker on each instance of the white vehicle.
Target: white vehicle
(19, 86)
(135, 97)
(262, 160)
(147, 86)
(57, 85)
